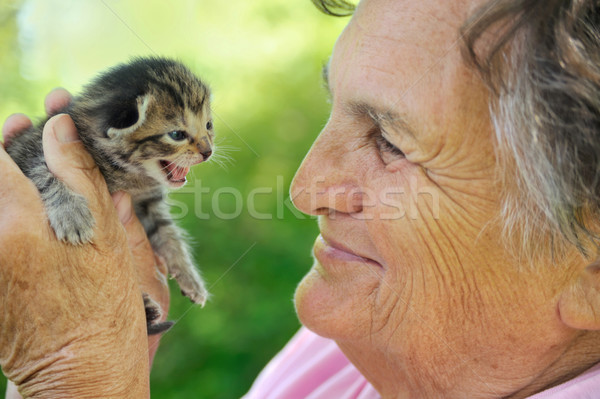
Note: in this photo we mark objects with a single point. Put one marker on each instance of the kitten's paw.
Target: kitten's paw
(192, 286)
(153, 314)
(72, 220)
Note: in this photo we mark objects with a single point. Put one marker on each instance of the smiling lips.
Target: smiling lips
(327, 249)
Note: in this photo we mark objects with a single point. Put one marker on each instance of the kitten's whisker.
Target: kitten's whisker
(221, 165)
(220, 160)
(222, 155)
(193, 173)
(174, 162)
(167, 166)
(220, 144)
(223, 158)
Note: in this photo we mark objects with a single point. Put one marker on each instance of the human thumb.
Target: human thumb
(70, 162)
(151, 271)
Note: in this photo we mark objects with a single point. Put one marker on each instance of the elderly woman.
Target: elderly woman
(456, 185)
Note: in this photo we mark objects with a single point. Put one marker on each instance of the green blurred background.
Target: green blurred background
(262, 59)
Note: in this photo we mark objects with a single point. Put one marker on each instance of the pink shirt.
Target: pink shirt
(312, 367)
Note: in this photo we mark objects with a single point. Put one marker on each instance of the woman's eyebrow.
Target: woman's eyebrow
(361, 109)
(381, 117)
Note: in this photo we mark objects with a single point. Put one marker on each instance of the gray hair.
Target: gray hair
(543, 70)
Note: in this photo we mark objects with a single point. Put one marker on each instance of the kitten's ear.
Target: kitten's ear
(128, 118)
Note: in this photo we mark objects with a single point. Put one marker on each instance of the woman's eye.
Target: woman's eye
(386, 146)
(177, 135)
(209, 125)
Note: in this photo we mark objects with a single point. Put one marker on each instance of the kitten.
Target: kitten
(144, 123)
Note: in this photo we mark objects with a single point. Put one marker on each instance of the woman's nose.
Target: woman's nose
(326, 181)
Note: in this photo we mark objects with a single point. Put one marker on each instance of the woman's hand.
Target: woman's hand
(73, 322)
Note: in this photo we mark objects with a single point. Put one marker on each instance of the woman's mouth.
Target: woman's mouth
(327, 251)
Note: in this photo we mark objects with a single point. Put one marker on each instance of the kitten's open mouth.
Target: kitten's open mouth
(175, 174)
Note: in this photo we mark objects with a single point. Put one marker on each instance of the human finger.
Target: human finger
(151, 272)
(9, 169)
(150, 269)
(163, 299)
(57, 100)
(14, 124)
(136, 235)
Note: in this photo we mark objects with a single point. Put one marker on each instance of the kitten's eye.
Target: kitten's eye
(209, 125)
(386, 146)
(177, 135)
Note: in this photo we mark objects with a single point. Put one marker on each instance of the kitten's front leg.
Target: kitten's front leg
(170, 244)
(67, 211)
(168, 241)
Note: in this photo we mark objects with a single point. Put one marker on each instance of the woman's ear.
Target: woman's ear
(126, 118)
(579, 303)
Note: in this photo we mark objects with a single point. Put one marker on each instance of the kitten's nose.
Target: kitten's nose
(204, 148)
(205, 155)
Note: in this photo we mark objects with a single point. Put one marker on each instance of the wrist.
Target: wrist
(107, 367)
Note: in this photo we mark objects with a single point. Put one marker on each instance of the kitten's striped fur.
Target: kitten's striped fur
(144, 123)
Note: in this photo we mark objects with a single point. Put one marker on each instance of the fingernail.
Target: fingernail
(65, 130)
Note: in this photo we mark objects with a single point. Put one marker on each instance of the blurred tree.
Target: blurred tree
(263, 60)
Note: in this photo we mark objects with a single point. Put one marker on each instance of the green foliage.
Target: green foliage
(262, 59)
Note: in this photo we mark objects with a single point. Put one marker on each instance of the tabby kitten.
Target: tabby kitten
(145, 123)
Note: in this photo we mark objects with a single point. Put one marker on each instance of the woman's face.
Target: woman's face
(410, 277)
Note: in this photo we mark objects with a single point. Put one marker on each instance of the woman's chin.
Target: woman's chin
(329, 307)
(307, 302)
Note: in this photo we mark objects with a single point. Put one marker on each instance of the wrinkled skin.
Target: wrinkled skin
(410, 277)
(73, 323)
